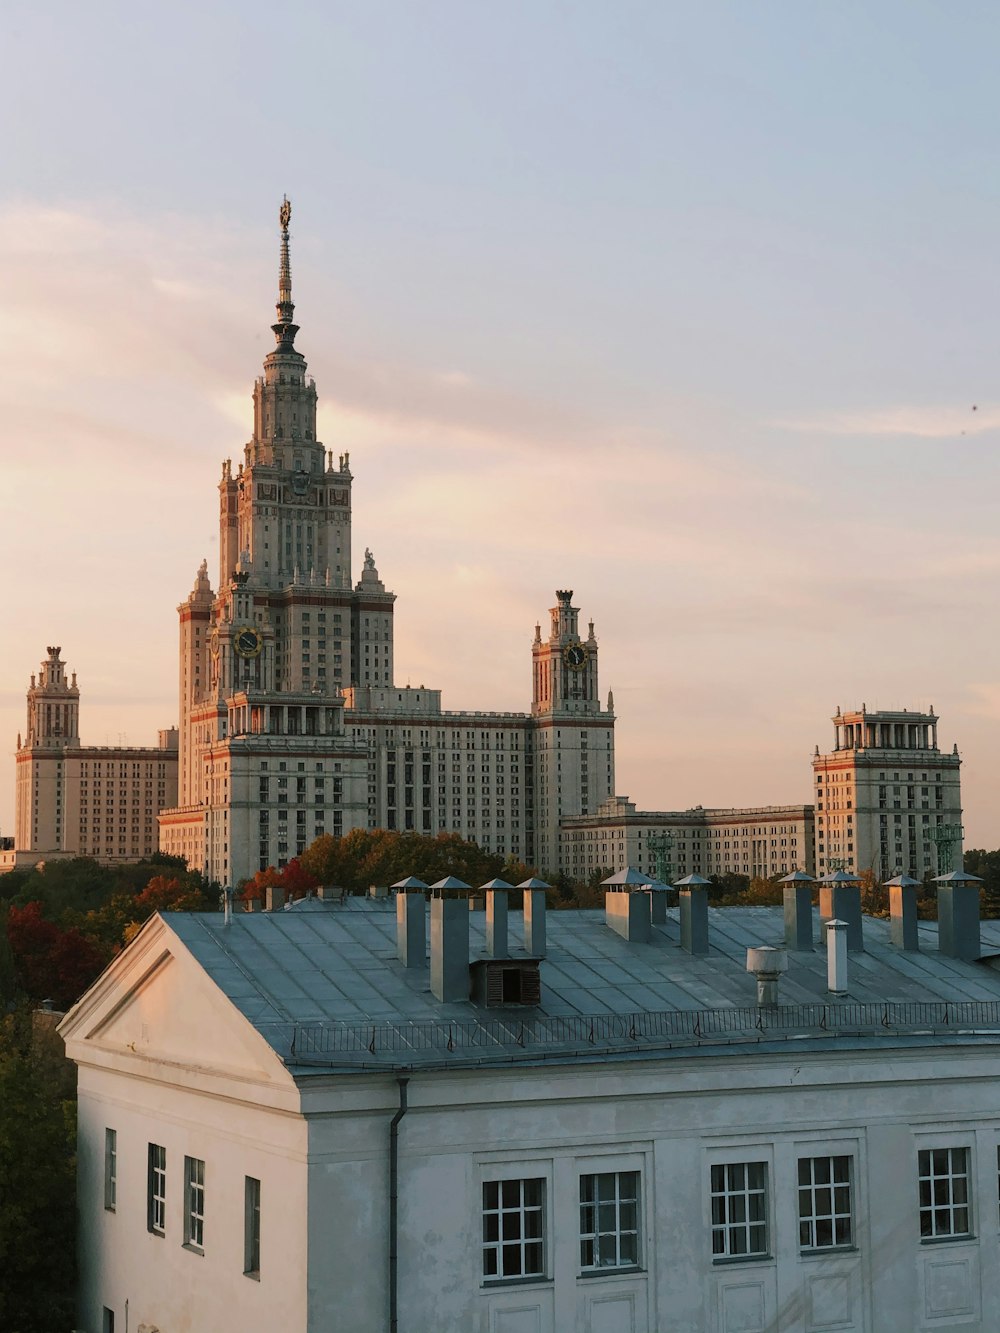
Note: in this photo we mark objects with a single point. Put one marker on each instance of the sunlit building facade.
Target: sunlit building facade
(291, 724)
(84, 800)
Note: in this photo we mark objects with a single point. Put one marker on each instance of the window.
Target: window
(156, 1189)
(512, 1228)
(251, 1226)
(825, 1203)
(739, 1209)
(194, 1202)
(107, 1321)
(110, 1169)
(609, 1220)
(944, 1192)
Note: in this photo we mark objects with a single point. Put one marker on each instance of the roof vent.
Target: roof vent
(837, 933)
(411, 922)
(903, 912)
(958, 914)
(498, 983)
(693, 897)
(496, 891)
(534, 914)
(449, 940)
(767, 964)
(840, 899)
(627, 905)
(797, 890)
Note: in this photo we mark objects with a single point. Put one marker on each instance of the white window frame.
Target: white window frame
(194, 1203)
(622, 1190)
(156, 1189)
(523, 1223)
(825, 1206)
(110, 1170)
(730, 1185)
(939, 1182)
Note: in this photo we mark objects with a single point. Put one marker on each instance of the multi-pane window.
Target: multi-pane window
(251, 1226)
(609, 1220)
(944, 1192)
(512, 1228)
(156, 1189)
(110, 1169)
(194, 1202)
(739, 1209)
(825, 1215)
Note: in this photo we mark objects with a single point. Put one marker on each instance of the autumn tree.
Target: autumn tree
(37, 1182)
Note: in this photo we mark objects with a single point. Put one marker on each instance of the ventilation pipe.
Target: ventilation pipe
(496, 891)
(411, 922)
(449, 940)
(797, 891)
(692, 890)
(840, 899)
(903, 912)
(958, 914)
(627, 905)
(534, 916)
(767, 964)
(836, 956)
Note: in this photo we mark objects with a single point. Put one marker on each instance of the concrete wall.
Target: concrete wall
(670, 1121)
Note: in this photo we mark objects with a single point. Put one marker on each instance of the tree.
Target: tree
(49, 962)
(37, 1183)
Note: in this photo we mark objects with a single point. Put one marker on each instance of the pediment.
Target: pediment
(156, 1003)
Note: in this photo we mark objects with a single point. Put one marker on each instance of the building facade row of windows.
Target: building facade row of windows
(516, 1222)
(194, 1187)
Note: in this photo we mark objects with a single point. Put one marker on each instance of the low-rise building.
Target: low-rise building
(756, 841)
(302, 1119)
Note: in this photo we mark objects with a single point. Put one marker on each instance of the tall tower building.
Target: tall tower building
(291, 723)
(886, 797)
(574, 768)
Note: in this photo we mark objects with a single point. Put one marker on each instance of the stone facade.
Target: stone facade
(757, 841)
(84, 800)
(291, 724)
(883, 793)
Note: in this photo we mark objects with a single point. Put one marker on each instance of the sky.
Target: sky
(689, 307)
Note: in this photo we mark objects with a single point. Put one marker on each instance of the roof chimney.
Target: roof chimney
(411, 922)
(657, 895)
(449, 940)
(958, 914)
(534, 914)
(840, 899)
(767, 964)
(903, 911)
(694, 912)
(274, 898)
(496, 917)
(797, 892)
(836, 956)
(627, 905)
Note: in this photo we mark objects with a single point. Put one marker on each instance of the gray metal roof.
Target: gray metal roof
(322, 983)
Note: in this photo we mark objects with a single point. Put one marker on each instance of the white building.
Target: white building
(282, 1126)
(887, 799)
(291, 724)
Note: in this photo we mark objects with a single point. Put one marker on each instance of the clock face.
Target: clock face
(300, 483)
(248, 642)
(213, 643)
(575, 656)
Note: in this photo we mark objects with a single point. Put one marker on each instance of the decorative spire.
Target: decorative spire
(285, 329)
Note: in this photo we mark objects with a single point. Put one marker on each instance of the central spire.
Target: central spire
(285, 329)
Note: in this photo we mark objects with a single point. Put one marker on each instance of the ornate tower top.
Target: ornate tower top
(285, 329)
